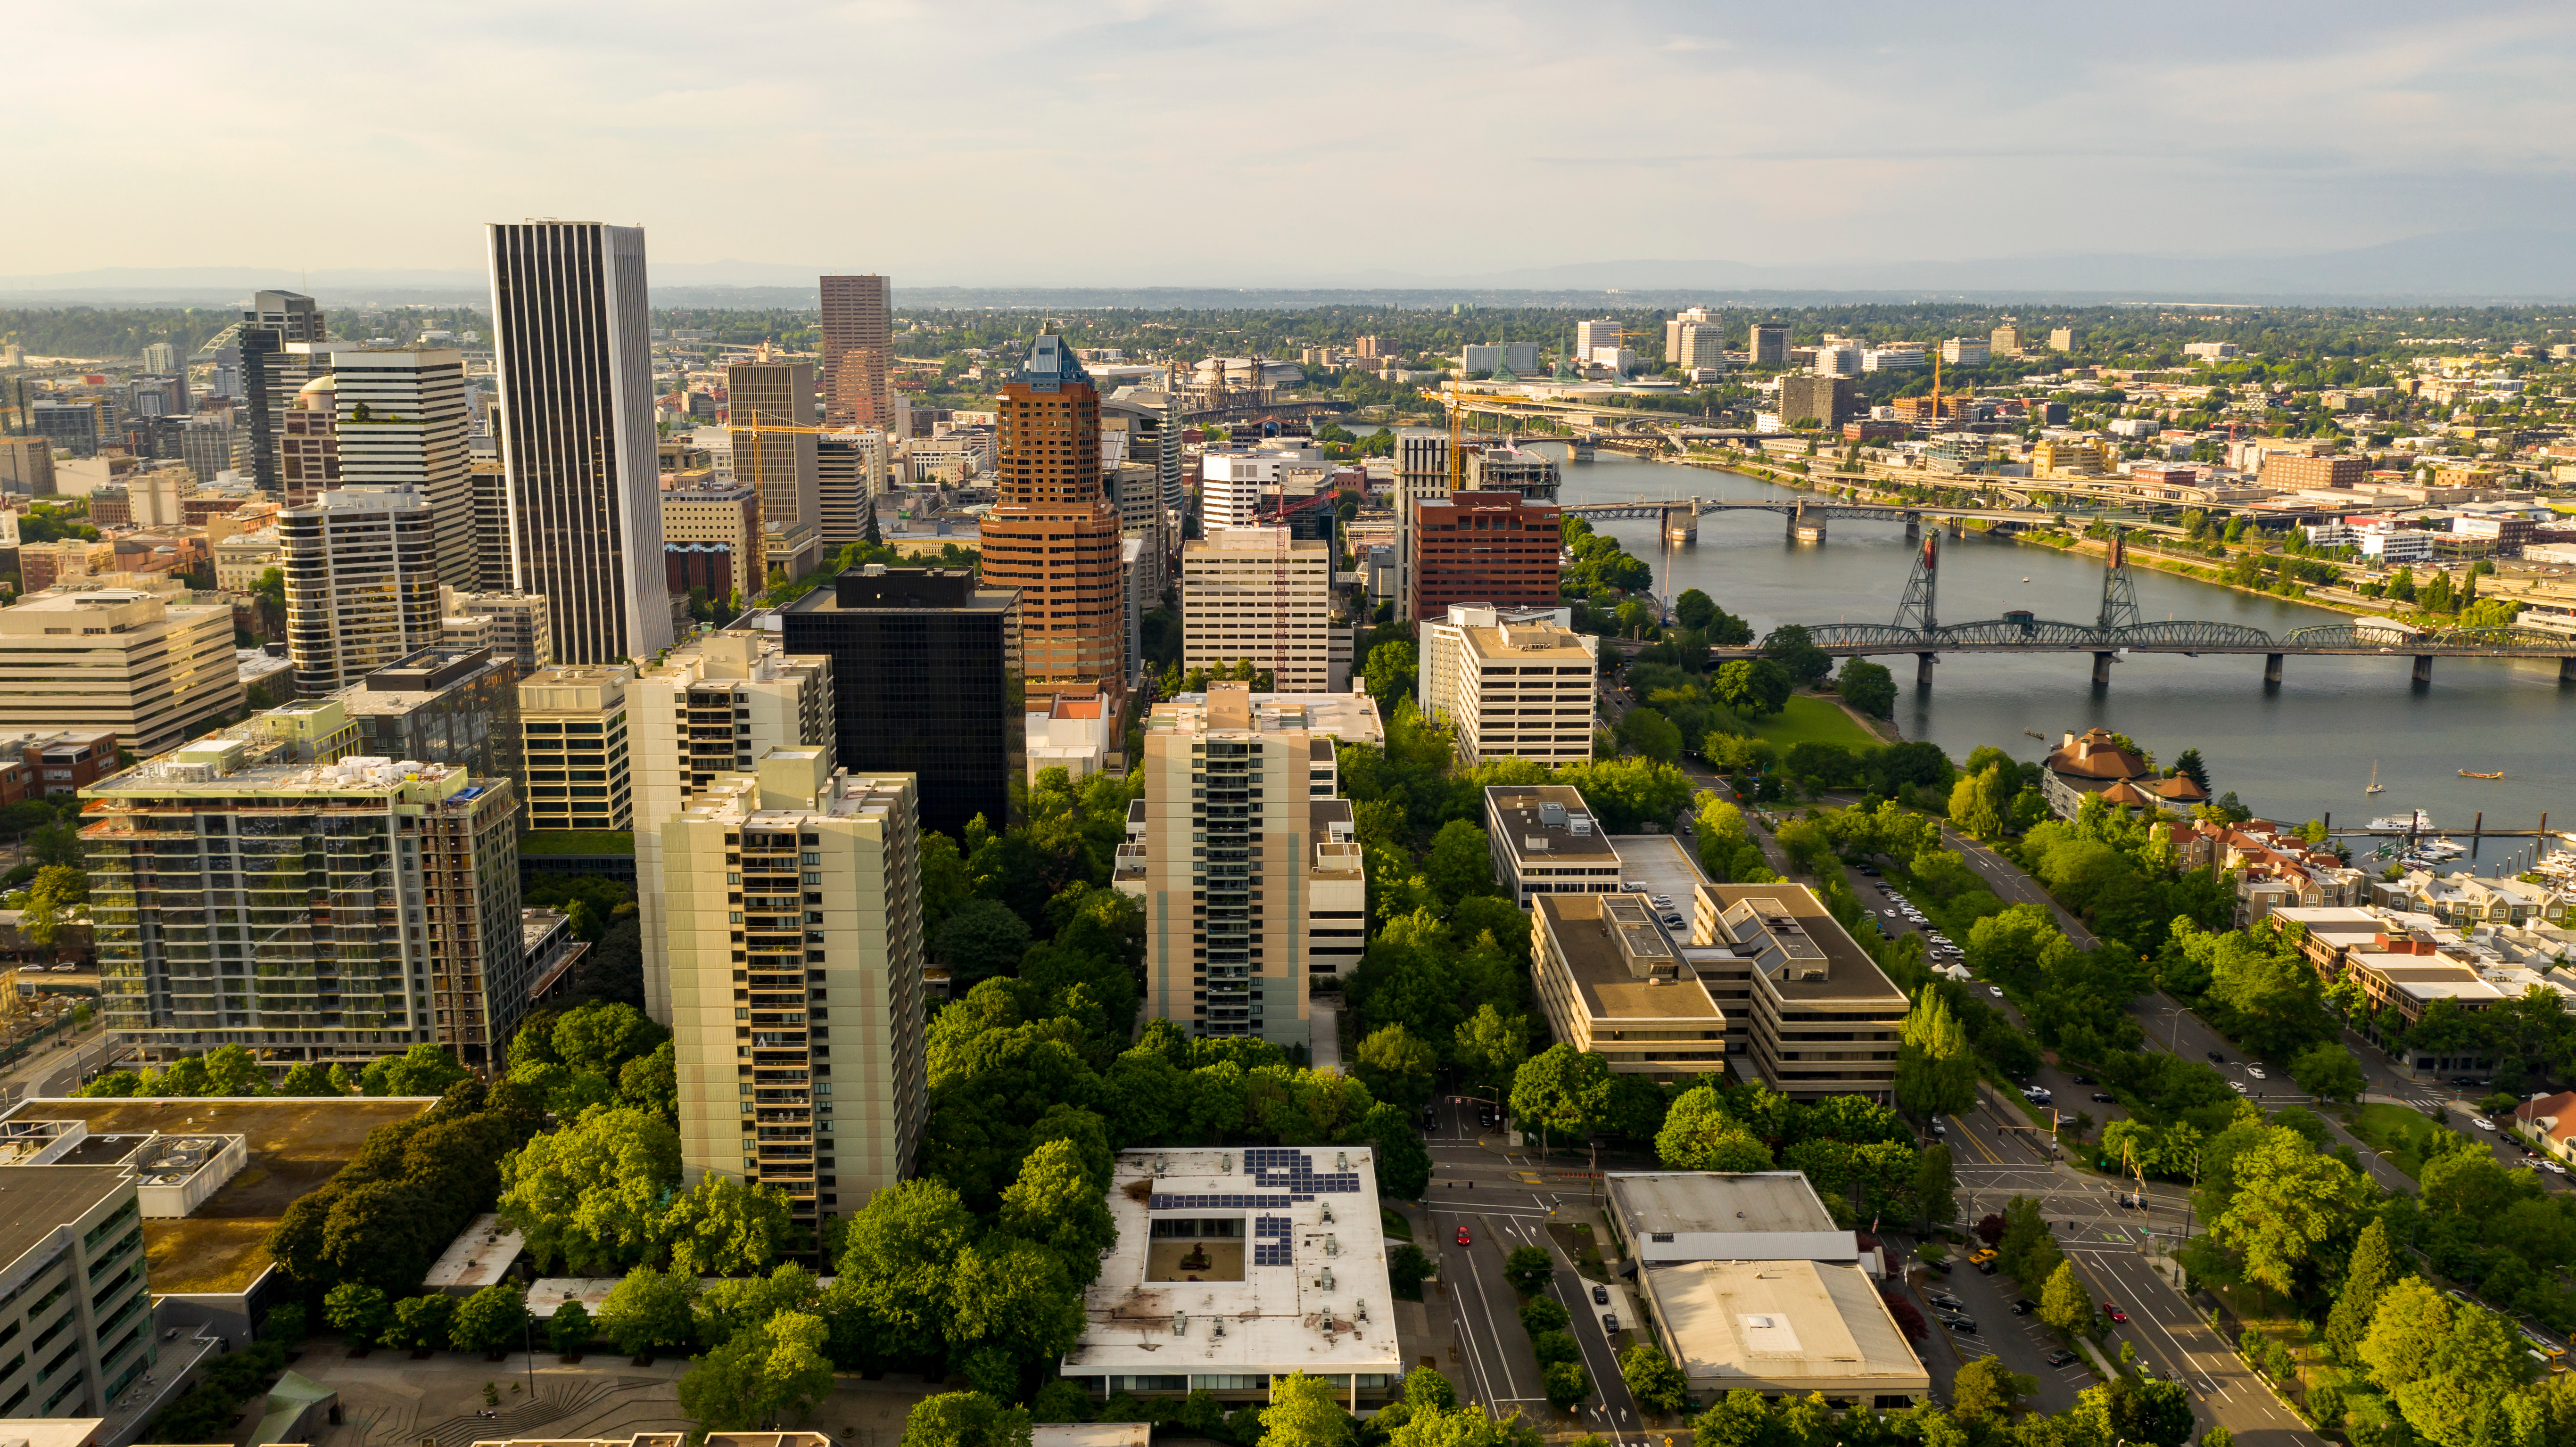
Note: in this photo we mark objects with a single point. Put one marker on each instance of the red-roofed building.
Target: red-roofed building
(2548, 1122)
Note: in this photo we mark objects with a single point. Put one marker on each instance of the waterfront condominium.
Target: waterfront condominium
(1054, 534)
(400, 421)
(570, 329)
(361, 584)
(858, 336)
(795, 953)
(249, 894)
(1246, 865)
(926, 680)
(781, 465)
(710, 708)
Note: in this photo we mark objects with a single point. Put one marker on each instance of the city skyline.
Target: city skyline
(1769, 140)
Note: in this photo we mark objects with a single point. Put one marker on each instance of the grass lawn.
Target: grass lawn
(1396, 1227)
(1812, 720)
(2401, 1131)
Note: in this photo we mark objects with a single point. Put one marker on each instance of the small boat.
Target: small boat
(2376, 787)
(2025, 580)
(2034, 733)
(2473, 774)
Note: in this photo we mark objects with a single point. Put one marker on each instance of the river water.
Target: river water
(2299, 752)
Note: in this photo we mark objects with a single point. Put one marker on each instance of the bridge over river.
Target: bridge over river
(2118, 629)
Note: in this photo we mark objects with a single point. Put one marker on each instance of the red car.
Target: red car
(2112, 1310)
(1462, 1237)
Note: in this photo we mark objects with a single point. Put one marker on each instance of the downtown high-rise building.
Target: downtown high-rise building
(795, 954)
(1246, 862)
(400, 420)
(361, 584)
(571, 335)
(713, 707)
(858, 339)
(781, 466)
(262, 886)
(1054, 533)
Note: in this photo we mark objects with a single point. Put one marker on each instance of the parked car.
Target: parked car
(2084, 1080)
(2024, 1306)
(2553, 1168)
(2216, 1058)
(2483, 1124)
(2061, 1357)
(1945, 1301)
(2103, 1097)
(1981, 1256)
(1960, 1324)
(1937, 1268)
(1610, 1322)
(1600, 1296)
(2112, 1310)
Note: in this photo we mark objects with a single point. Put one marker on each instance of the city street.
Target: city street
(1505, 1201)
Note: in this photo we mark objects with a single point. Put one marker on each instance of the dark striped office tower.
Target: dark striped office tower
(570, 334)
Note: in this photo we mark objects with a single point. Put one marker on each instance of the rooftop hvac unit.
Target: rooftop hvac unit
(1331, 1246)
(1180, 1323)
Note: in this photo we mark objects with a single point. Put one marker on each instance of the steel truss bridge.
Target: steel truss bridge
(2118, 629)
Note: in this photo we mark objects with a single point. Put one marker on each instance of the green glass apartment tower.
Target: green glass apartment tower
(570, 334)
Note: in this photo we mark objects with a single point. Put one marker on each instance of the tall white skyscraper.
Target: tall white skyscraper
(401, 423)
(570, 334)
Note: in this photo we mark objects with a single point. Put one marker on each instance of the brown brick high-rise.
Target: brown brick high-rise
(1495, 548)
(858, 337)
(1054, 532)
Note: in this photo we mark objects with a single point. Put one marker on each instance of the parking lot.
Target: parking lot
(1982, 1323)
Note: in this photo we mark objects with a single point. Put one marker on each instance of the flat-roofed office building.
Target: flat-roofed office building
(1546, 840)
(156, 667)
(1612, 982)
(577, 746)
(1824, 1018)
(71, 1249)
(1514, 683)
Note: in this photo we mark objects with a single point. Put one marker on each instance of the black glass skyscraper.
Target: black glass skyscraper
(926, 680)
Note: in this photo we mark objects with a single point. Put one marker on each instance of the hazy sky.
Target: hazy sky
(1135, 141)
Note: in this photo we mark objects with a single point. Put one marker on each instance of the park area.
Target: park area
(1807, 719)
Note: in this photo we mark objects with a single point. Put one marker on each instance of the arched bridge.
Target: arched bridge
(2118, 629)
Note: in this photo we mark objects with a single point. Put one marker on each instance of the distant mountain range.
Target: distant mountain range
(2495, 266)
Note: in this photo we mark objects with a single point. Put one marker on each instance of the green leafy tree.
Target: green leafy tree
(1700, 1134)
(2289, 1204)
(1397, 1067)
(1491, 1045)
(981, 939)
(1391, 673)
(421, 1322)
(307, 1079)
(1868, 687)
(2367, 1277)
(1987, 1391)
(1936, 1185)
(2065, 1304)
(966, 1419)
(491, 1320)
(647, 1310)
(1753, 687)
(1652, 1379)
(284, 1324)
(569, 1329)
(358, 1311)
(1936, 1066)
(423, 1070)
(1407, 1267)
(773, 1368)
(1561, 1090)
(1528, 1268)
(1303, 1412)
(1056, 1204)
(726, 1227)
(1461, 862)
(1544, 1313)
(590, 1195)
(1566, 1385)
(2328, 1071)
(1647, 732)
(1795, 650)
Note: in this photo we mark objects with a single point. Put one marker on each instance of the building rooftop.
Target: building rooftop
(1796, 943)
(35, 1200)
(1547, 819)
(294, 1143)
(1350, 717)
(1264, 1260)
(1757, 1202)
(220, 767)
(480, 1256)
(1621, 961)
(1783, 1325)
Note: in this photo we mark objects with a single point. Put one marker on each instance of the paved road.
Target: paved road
(54, 1069)
(1504, 1199)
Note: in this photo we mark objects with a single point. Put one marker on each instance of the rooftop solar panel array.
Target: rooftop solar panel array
(1214, 1203)
(1275, 1251)
(1275, 1168)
